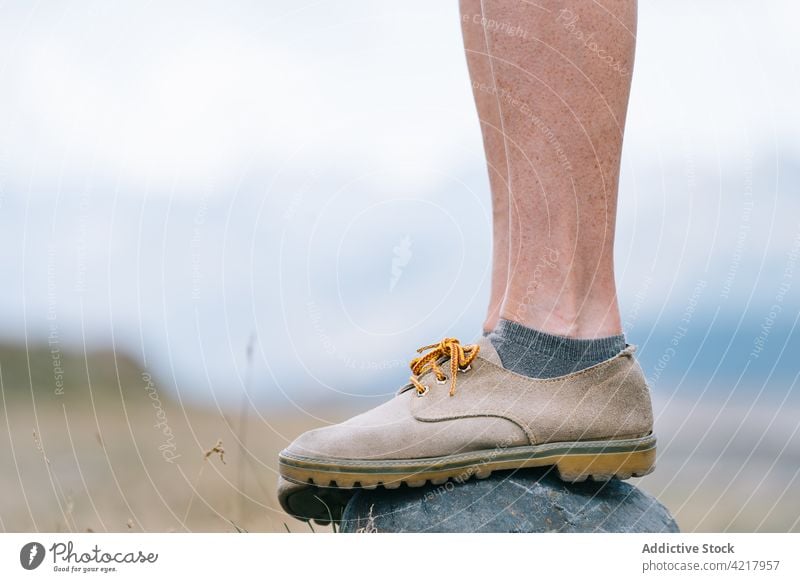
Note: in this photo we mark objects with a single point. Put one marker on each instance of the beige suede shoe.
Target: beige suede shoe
(597, 423)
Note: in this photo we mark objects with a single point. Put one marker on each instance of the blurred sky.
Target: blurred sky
(176, 178)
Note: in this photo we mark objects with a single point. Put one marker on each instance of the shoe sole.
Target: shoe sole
(317, 489)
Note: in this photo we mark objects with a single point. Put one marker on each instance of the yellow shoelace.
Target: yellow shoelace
(460, 359)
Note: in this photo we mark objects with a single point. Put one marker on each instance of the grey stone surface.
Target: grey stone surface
(531, 500)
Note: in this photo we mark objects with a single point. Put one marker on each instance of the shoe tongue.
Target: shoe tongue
(488, 352)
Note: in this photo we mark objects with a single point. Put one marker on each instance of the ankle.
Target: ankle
(587, 323)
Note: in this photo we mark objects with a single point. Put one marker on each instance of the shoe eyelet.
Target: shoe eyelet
(467, 369)
(424, 392)
(442, 381)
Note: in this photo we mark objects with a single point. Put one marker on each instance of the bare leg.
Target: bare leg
(562, 69)
(486, 101)
(561, 98)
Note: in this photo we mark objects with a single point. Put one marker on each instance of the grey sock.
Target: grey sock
(538, 354)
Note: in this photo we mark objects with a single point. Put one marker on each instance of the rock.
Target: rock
(526, 501)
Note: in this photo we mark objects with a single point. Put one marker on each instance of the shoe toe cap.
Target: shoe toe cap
(342, 442)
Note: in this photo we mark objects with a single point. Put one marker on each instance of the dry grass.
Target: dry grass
(99, 462)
